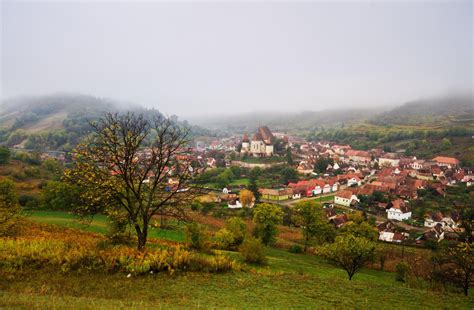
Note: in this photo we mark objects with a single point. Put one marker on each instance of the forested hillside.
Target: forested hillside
(58, 122)
(448, 111)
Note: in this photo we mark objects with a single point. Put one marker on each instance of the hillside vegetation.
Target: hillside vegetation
(60, 121)
(441, 112)
(288, 281)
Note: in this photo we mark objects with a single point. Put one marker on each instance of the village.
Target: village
(385, 186)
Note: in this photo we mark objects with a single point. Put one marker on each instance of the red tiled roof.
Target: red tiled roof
(344, 194)
(446, 160)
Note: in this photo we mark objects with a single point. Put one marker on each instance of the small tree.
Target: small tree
(457, 265)
(246, 198)
(125, 164)
(4, 155)
(401, 271)
(238, 228)
(289, 157)
(266, 217)
(313, 222)
(359, 227)
(253, 187)
(9, 208)
(197, 236)
(349, 253)
(253, 251)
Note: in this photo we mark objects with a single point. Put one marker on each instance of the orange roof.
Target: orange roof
(446, 160)
(344, 194)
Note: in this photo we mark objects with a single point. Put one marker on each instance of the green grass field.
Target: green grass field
(98, 225)
(288, 281)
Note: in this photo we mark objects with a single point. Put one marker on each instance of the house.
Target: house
(434, 218)
(358, 156)
(388, 232)
(435, 233)
(262, 143)
(398, 210)
(298, 192)
(345, 198)
(354, 181)
(304, 167)
(389, 160)
(234, 204)
(339, 220)
(276, 194)
(444, 161)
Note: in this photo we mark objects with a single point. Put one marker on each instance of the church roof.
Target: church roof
(263, 134)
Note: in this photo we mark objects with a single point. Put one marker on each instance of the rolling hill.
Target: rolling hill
(59, 121)
(446, 111)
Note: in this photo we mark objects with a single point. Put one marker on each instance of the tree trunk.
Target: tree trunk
(142, 240)
(141, 237)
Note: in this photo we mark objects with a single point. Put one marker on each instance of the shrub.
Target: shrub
(238, 229)
(224, 239)
(10, 212)
(401, 271)
(253, 251)
(197, 236)
(40, 253)
(295, 248)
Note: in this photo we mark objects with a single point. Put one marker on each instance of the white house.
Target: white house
(344, 198)
(234, 204)
(398, 210)
(355, 180)
(433, 219)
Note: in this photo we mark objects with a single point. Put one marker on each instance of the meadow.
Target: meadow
(287, 281)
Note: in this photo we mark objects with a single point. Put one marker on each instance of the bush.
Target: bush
(238, 228)
(224, 239)
(197, 236)
(253, 251)
(40, 253)
(295, 248)
(401, 270)
(28, 201)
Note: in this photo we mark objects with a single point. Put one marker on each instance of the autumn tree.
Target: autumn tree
(4, 155)
(266, 218)
(246, 198)
(359, 227)
(9, 208)
(456, 265)
(125, 165)
(350, 253)
(313, 222)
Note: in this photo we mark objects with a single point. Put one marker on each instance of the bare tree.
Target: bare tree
(135, 164)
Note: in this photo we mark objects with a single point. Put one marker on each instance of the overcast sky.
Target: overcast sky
(212, 58)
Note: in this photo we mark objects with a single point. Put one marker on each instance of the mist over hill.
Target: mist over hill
(446, 111)
(60, 121)
(452, 110)
(288, 122)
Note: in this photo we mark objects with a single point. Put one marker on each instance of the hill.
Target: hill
(59, 121)
(446, 111)
(293, 123)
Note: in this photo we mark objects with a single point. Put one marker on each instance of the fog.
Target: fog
(196, 59)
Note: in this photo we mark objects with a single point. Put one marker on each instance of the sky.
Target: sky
(210, 58)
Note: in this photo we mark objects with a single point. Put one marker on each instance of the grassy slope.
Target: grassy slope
(97, 225)
(289, 280)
